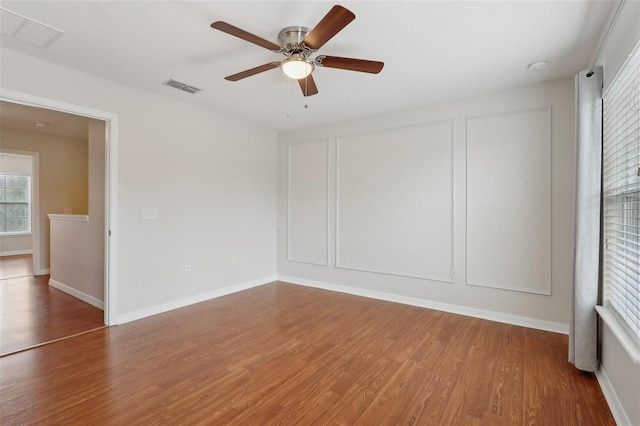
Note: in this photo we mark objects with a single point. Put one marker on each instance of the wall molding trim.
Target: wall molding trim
(555, 327)
(192, 300)
(377, 267)
(77, 294)
(546, 110)
(15, 252)
(290, 255)
(610, 395)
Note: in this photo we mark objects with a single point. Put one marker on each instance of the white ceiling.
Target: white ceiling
(433, 50)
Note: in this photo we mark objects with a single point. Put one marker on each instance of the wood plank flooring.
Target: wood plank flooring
(32, 312)
(285, 354)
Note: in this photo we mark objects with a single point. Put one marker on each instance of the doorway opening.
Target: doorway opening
(109, 122)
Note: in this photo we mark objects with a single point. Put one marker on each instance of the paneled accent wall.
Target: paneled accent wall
(394, 201)
(308, 219)
(508, 200)
(465, 206)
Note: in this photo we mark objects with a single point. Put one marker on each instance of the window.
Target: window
(621, 194)
(15, 204)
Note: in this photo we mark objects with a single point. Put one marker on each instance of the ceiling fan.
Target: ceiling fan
(298, 44)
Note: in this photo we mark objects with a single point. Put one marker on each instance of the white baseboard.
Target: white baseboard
(610, 395)
(77, 294)
(39, 272)
(15, 252)
(181, 303)
(538, 324)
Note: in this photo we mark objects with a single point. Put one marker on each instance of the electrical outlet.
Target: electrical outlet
(187, 267)
(234, 260)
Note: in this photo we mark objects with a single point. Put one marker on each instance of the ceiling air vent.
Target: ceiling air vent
(184, 87)
(28, 30)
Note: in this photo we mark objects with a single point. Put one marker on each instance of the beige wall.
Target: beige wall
(94, 279)
(63, 177)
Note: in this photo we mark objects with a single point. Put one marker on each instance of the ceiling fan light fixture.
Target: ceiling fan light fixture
(297, 68)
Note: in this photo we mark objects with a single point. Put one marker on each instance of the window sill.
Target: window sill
(621, 334)
(16, 234)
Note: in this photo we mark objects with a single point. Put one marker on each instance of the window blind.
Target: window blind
(621, 194)
(15, 204)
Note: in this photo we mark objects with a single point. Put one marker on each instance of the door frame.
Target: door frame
(111, 185)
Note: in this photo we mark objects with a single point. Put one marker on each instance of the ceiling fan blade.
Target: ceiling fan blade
(251, 38)
(252, 71)
(362, 65)
(308, 86)
(334, 21)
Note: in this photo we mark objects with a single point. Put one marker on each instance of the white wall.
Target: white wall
(402, 203)
(63, 177)
(19, 165)
(622, 375)
(622, 39)
(76, 266)
(211, 178)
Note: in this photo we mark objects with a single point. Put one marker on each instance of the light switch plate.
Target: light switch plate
(149, 214)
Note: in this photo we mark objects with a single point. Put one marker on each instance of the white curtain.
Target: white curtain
(583, 332)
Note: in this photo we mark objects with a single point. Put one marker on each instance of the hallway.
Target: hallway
(33, 313)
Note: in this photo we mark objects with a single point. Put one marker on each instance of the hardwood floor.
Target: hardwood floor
(32, 312)
(284, 354)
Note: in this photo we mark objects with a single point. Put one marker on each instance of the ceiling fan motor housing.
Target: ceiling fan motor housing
(291, 39)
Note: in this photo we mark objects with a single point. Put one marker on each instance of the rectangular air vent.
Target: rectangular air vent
(184, 87)
(28, 30)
